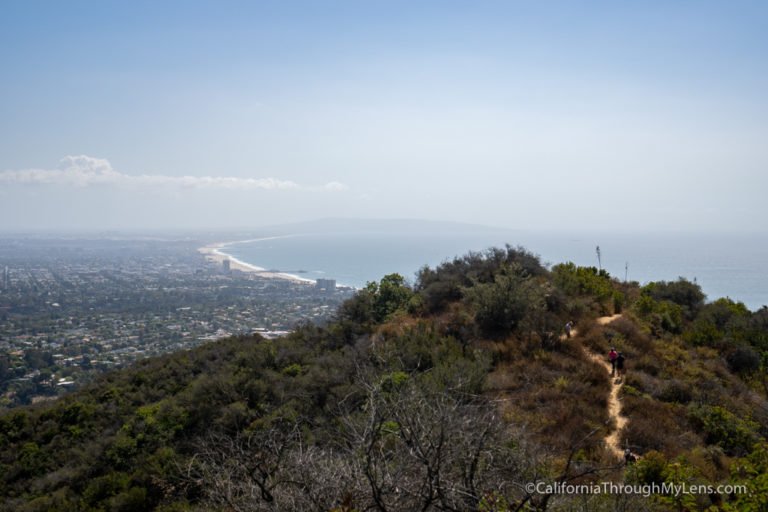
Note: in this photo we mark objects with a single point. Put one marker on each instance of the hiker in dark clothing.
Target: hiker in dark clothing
(629, 457)
(620, 364)
(568, 329)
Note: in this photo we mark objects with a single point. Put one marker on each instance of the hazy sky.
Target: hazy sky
(522, 114)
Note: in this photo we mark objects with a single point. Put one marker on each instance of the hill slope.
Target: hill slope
(451, 396)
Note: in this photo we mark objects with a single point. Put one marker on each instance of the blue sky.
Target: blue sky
(540, 115)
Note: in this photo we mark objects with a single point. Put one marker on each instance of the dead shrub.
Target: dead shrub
(630, 332)
(710, 461)
(596, 342)
(648, 364)
(595, 375)
(656, 426)
(675, 391)
(643, 382)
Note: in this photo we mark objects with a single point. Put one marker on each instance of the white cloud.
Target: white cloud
(84, 171)
(335, 186)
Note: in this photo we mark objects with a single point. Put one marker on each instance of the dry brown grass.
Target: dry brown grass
(561, 395)
(659, 426)
(637, 340)
(711, 462)
(399, 325)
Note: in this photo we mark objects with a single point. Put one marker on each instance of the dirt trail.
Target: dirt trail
(614, 404)
(604, 320)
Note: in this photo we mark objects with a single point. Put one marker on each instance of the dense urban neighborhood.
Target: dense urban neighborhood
(72, 308)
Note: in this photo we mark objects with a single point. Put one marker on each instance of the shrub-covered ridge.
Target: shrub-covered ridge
(451, 395)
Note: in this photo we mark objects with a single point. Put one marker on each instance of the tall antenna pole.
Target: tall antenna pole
(599, 262)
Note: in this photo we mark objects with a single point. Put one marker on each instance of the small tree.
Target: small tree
(389, 295)
(377, 301)
(503, 305)
(682, 292)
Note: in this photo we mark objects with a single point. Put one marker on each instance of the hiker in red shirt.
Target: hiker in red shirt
(612, 355)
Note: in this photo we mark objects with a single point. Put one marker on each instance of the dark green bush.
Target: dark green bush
(682, 292)
(720, 426)
(448, 281)
(743, 360)
(502, 305)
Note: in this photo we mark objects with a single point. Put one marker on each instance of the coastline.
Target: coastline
(214, 254)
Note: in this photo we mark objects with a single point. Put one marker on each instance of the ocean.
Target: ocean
(734, 266)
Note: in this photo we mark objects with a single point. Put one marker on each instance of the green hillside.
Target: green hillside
(456, 394)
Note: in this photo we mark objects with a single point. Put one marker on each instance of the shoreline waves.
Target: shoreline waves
(214, 253)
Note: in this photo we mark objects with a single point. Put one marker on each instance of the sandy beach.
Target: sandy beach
(215, 254)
